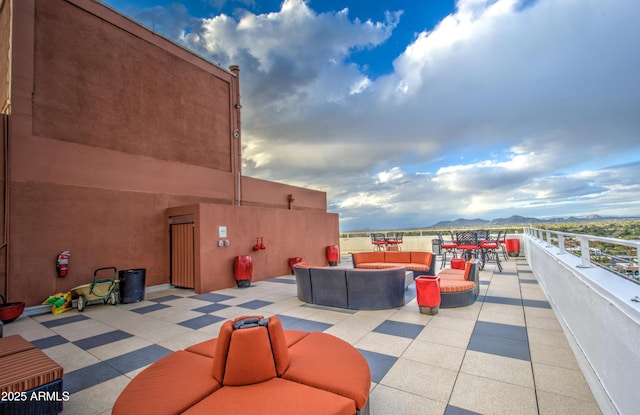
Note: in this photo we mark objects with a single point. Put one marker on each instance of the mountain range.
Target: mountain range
(520, 220)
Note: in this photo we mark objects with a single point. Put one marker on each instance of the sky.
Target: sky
(407, 112)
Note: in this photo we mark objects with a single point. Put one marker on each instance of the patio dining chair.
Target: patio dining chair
(489, 251)
(447, 247)
(379, 242)
(503, 245)
(394, 240)
(468, 245)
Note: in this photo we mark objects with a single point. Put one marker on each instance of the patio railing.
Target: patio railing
(616, 255)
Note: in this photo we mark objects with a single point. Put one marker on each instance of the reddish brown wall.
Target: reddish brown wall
(96, 84)
(286, 233)
(112, 126)
(256, 192)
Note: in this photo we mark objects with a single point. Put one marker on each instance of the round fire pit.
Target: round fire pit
(10, 311)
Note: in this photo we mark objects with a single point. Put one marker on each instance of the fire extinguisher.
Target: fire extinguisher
(62, 263)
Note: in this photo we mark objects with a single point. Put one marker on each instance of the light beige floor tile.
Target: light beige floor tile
(163, 332)
(488, 396)
(384, 401)
(547, 337)
(417, 378)
(71, 357)
(516, 319)
(463, 326)
(539, 312)
(412, 315)
(561, 381)
(500, 368)
(174, 315)
(553, 355)
(434, 354)
(120, 347)
(502, 308)
(383, 343)
(543, 323)
(28, 328)
(82, 329)
(554, 404)
(447, 337)
(97, 399)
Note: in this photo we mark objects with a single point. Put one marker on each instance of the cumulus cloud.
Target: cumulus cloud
(505, 107)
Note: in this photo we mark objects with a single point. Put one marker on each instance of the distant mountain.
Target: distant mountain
(519, 220)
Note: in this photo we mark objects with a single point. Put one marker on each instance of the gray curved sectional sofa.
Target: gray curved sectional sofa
(355, 289)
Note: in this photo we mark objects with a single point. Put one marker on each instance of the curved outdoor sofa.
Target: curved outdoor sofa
(420, 263)
(355, 289)
(459, 287)
(254, 366)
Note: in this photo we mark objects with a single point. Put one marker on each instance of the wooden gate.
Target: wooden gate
(182, 255)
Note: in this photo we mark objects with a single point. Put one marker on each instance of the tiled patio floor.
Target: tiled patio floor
(506, 354)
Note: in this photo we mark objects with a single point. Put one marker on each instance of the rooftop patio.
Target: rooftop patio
(506, 354)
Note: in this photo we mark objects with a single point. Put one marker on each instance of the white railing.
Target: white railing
(579, 245)
(598, 311)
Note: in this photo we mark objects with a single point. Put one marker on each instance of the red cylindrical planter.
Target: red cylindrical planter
(293, 261)
(333, 254)
(428, 291)
(513, 247)
(243, 270)
(457, 263)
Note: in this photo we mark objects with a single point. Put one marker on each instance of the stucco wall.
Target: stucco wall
(96, 84)
(112, 126)
(286, 233)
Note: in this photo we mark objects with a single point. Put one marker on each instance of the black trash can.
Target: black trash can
(132, 285)
(435, 247)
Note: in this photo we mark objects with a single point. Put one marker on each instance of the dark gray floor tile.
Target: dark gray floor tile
(211, 308)
(49, 342)
(255, 304)
(149, 308)
(397, 328)
(64, 320)
(454, 410)
(89, 376)
(212, 297)
(501, 330)
(102, 339)
(536, 303)
(500, 346)
(138, 358)
(502, 300)
(200, 322)
(379, 364)
(166, 298)
(294, 323)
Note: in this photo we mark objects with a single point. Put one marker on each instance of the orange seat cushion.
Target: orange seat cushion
(170, 385)
(327, 362)
(397, 257)
(361, 257)
(26, 370)
(454, 286)
(14, 344)
(451, 274)
(208, 347)
(275, 396)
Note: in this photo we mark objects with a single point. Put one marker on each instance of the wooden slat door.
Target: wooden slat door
(182, 255)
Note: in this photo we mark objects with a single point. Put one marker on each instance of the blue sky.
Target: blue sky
(411, 112)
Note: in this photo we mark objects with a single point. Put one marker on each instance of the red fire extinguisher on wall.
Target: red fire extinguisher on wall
(62, 263)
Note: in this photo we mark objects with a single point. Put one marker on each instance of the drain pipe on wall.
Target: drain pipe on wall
(5, 227)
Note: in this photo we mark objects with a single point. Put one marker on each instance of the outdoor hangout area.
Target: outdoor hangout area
(505, 353)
